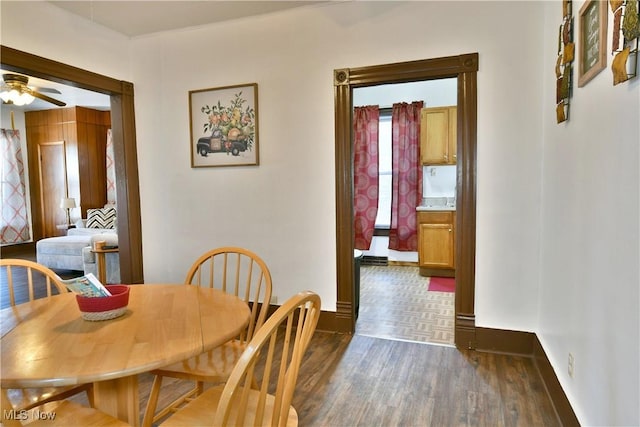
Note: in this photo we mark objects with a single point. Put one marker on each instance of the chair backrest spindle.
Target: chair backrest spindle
(250, 394)
(32, 276)
(240, 272)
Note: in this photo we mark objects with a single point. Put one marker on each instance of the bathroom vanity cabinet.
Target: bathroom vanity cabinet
(436, 243)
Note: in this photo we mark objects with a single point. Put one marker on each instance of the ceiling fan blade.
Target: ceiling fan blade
(45, 97)
(46, 90)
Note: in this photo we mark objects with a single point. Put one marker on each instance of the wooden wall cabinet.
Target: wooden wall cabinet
(67, 158)
(438, 135)
(436, 242)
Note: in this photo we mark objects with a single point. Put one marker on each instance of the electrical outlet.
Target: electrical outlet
(570, 365)
(274, 300)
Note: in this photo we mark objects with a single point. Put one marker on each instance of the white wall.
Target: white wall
(39, 28)
(547, 257)
(285, 208)
(589, 278)
(18, 124)
(439, 181)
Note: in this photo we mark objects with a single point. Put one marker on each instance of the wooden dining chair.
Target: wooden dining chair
(233, 270)
(260, 389)
(25, 281)
(59, 413)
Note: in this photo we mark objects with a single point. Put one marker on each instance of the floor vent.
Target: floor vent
(375, 260)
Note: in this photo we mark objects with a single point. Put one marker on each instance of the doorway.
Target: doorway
(52, 172)
(464, 68)
(395, 298)
(124, 142)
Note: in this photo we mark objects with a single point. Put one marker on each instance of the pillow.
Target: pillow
(101, 218)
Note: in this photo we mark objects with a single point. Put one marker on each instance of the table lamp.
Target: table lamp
(68, 204)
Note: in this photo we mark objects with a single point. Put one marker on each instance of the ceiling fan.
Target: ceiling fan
(14, 90)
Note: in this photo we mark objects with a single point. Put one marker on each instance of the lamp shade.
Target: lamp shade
(68, 203)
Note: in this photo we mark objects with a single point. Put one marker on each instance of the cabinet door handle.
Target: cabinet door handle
(450, 230)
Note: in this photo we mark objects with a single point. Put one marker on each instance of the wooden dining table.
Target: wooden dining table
(47, 343)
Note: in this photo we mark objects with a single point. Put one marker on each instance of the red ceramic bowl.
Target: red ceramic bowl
(119, 298)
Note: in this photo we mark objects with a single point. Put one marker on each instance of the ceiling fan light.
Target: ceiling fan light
(15, 97)
(27, 98)
(17, 100)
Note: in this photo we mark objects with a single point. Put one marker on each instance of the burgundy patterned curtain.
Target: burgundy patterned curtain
(15, 223)
(406, 183)
(365, 168)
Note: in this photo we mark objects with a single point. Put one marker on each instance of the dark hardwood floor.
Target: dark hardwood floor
(363, 381)
(354, 380)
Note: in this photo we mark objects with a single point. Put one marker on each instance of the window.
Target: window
(385, 166)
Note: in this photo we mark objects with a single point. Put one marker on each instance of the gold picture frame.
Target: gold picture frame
(592, 53)
(224, 126)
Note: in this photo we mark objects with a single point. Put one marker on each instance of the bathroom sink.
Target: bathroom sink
(437, 204)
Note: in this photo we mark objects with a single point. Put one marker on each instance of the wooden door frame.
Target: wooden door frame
(464, 68)
(124, 145)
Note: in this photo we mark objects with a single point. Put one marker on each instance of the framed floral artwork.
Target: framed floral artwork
(224, 126)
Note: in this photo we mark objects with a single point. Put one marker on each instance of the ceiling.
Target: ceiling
(132, 19)
(138, 18)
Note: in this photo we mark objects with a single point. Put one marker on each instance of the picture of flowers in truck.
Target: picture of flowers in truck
(229, 125)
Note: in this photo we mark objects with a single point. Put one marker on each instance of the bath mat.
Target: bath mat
(442, 284)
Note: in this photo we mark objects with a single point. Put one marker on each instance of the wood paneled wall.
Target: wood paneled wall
(84, 132)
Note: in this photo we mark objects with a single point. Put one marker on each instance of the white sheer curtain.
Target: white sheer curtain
(14, 227)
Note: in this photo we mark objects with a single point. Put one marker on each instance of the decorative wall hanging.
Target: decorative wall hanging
(566, 54)
(592, 56)
(224, 126)
(624, 46)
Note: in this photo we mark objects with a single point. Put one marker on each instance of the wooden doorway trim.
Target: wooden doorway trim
(124, 144)
(464, 68)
